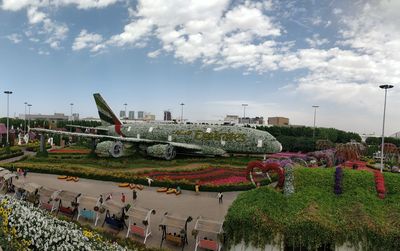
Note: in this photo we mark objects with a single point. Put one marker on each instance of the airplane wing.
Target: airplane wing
(122, 139)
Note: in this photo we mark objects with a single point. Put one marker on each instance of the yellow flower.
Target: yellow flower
(88, 234)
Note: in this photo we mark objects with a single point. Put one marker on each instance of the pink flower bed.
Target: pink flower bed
(211, 175)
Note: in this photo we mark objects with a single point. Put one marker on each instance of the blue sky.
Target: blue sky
(280, 57)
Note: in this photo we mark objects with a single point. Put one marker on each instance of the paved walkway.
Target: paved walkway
(187, 204)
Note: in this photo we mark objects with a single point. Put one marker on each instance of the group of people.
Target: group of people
(22, 172)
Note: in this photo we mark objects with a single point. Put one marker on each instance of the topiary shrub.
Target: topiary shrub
(288, 187)
(338, 180)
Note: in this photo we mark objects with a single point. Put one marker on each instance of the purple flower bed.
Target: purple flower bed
(338, 180)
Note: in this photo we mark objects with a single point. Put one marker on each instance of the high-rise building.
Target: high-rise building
(131, 115)
(167, 116)
(122, 114)
(140, 115)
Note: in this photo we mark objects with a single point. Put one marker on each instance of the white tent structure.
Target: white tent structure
(139, 222)
(67, 202)
(205, 230)
(48, 198)
(87, 206)
(115, 214)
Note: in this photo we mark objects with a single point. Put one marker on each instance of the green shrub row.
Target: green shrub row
(11, 155)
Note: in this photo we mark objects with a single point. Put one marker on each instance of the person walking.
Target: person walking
(149, 180)
(123, 199)
(99, 201)
(134, 194)
(219, 196)
(25, 172)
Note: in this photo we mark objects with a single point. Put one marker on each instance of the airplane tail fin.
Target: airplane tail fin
(106, 114)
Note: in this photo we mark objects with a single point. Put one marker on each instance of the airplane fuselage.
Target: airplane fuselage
(231, 139)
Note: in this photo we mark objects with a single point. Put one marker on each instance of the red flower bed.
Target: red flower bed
(70, 151)
(211, 175)
(380, 184)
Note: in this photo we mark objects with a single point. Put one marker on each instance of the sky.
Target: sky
(279, 57)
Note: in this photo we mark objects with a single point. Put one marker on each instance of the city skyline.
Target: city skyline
(279, 57)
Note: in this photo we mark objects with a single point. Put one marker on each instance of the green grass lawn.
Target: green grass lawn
(314, 215)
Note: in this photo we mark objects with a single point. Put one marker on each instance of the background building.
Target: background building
(278, 121)
(254, 121)
(122, 114)
(140, 115)
(149, 117)
(234, 119)
(167, 116)
(131, 115)
(56, 116)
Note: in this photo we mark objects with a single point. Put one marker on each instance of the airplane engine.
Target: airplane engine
(163, 151)
(110, 149)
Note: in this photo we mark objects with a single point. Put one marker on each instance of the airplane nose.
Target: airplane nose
(279, 146)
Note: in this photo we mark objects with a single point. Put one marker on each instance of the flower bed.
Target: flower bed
(207, 176)
(380, 184)
(69, 151)
(31, 228)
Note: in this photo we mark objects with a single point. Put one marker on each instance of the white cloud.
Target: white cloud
(88, 40)
(15, 5)
(210, 31)
(316, 41)
(35, 16)
(154, 54)
(15, 38)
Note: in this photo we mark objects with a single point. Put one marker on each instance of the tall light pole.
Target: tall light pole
(315, 117)
(385, 87)
(182, 104)
(25, 103)
(29, 118)
(125, 112)
(8, 117)
(244, 112)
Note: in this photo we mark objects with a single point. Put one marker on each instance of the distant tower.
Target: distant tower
(131, 115)
(140, 115)
(167, 116)
(122, 114)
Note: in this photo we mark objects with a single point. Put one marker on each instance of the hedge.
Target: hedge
(11, 155)
(314, 215)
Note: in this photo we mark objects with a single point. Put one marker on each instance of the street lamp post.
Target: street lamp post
(182, 104)
(8, 117)
(385, 87)
(25, 103)
(315, 117)
(29, 116)
(244, 112)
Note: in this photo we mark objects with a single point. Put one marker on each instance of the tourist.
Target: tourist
(99, 201)
(109, 197)
(25, 172)
(197, 188)
(134, 194)
(123, 199)
(149, 180)
(219, 196)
